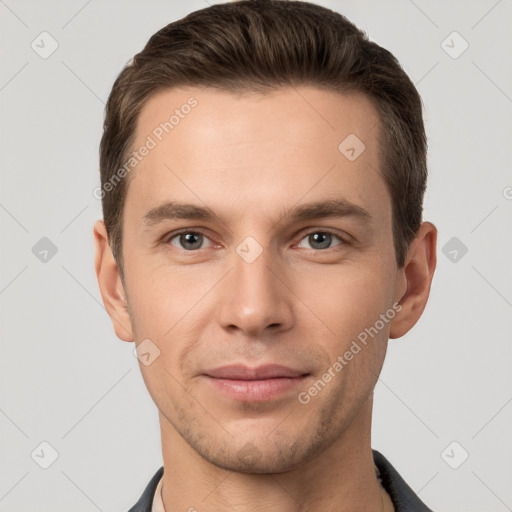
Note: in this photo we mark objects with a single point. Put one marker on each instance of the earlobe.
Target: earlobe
(110, 284)
(417, 273)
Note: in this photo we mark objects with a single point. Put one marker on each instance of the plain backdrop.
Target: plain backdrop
(443, 404)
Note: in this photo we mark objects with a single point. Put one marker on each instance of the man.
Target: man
(263, 167)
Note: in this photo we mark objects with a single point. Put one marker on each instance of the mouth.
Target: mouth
(260, 384)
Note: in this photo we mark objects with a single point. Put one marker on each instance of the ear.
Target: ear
(110, 283)
(416, 278)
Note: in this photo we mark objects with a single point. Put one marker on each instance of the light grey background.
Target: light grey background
(67, 380)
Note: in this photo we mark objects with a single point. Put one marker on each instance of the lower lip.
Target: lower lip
(256, 390)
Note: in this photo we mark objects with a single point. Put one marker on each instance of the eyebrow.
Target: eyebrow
(331, 208)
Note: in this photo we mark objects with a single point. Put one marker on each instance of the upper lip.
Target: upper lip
(241, 372)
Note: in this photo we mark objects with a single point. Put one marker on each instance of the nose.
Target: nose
(256, 299)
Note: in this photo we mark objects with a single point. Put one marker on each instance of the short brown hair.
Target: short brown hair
(260, 45)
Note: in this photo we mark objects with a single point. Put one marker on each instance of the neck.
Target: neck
(341, 478)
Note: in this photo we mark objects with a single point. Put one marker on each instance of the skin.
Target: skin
(252, 158)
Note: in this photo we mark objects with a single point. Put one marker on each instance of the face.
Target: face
(257, 251)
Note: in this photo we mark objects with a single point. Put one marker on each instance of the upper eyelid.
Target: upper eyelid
(173, 234)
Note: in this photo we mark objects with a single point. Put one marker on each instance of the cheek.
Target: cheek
(168, 311)
(163, 296)
(350, 303)
(170, 308)
(348, 298)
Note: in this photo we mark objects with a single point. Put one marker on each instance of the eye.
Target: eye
(188, 240)
(320, 240)
(194, 240)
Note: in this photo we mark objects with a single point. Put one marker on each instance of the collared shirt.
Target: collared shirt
(158, 504)
(403, 497)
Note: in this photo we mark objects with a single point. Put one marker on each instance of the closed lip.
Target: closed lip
(243, 372)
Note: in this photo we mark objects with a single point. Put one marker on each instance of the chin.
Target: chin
(263, 457)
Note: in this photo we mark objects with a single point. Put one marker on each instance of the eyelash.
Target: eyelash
(166, 240)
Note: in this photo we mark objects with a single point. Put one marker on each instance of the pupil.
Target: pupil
(322, 240)
(191, 240)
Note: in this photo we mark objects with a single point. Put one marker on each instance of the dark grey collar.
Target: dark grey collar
(403, 497)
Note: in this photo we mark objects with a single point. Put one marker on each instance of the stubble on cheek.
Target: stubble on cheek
(206, 425)
(295, 436)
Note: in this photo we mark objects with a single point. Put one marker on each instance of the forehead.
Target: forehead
(255, 151)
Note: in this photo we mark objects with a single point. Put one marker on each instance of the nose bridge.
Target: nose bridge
(256, 298)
